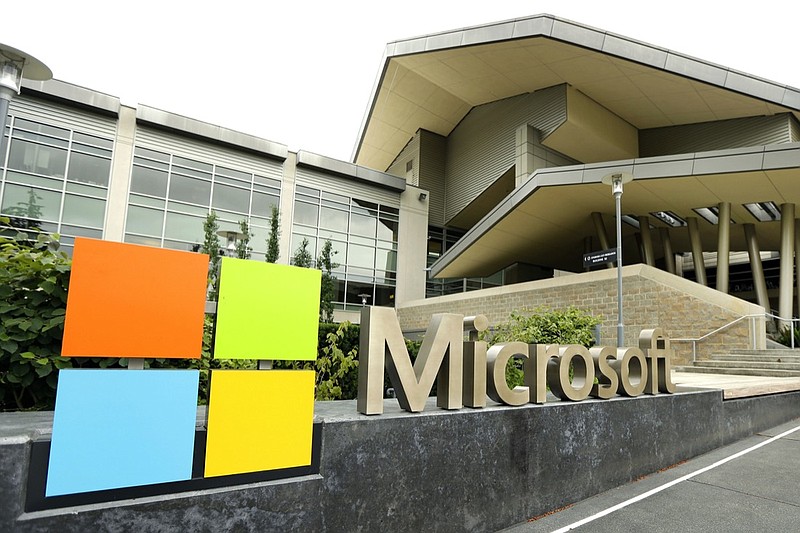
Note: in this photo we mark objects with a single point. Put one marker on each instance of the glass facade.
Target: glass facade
(171, 195)
(439, 241)
(55, 179)
(364, 237)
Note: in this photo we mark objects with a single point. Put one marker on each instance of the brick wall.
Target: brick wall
(651, 298)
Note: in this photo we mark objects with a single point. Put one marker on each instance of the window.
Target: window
(364, 239)
(57, 178)
(171, 195)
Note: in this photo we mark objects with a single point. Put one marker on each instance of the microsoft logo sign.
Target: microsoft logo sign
(126, 428)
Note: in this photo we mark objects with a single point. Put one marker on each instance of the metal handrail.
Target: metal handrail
(765, 315)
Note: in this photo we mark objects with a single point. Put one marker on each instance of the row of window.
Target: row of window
(56, 179)
(170, 197)
(363, 235)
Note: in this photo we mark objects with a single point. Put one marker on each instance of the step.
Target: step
(766, 365)
(739, 371)
(791, 359)
(781, 351)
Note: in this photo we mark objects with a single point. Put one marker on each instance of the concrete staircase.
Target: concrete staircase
(770, 363)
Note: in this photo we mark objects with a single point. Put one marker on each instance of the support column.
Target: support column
(697, 251)
(639, 245)
(587, 248)
(669, 255)
(286, 208)
(724, 247)
(119, 184)
(602, 236)
(647, 240)
(412, 252)
(526, 161)
(786, 290)
(754, 252)
(797, 259)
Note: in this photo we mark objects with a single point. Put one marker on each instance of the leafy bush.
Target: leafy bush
(785, 337)
(543, 326)
(34, 277)
(336, 366)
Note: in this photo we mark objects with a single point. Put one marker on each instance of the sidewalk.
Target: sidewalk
(716, 492)
(734, 386)
(751, 485)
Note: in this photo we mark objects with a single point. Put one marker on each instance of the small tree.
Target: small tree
(211, 247)
(302, 257)
(243, 248)
(328, 287)
(26, 215)
(273, 247)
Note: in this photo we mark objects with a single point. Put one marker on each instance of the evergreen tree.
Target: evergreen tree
(211, 247)
(302, 257)
(328, 288)
(243, 248)
(273, 248)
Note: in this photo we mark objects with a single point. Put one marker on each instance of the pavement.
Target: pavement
(734, 386)
(751, 485)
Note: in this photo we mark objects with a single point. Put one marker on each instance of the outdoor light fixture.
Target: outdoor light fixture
(232, 238)
(422, 196)
(364, 297)
(617, 180)
(631, 221)
(764, 211)
(711, 214)
(669, 218)
(14, 66)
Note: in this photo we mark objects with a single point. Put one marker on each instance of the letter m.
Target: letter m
(382, 346)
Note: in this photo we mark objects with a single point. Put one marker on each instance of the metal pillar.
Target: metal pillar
(620, 326)
(786, 290)
(602, 236)
(647, 240)
(724, 247)
(697, 251)
(754, 252)
(797, 258)
(587, 248)
(669, 255)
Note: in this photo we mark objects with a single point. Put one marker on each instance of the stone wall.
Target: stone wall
(651, 298)
(448, 471)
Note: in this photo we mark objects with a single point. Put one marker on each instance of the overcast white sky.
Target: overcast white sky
(301, 72)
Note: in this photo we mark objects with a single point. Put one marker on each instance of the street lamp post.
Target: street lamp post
(14, 66)
(232, 238)
(616, 180)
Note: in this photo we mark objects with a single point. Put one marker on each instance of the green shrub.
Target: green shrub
(34, 277)
(336, 366)
(785, 337)
(543, 326)
(546, 326)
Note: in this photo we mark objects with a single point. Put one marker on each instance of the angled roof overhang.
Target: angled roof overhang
(544, 221)
(432, 82)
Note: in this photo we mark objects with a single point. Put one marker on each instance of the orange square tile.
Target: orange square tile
(126, 300)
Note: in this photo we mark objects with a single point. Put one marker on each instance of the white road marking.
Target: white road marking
(672, 483)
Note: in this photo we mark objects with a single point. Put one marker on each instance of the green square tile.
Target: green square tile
(267, 311)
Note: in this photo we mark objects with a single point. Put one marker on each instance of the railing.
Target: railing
(752, 319)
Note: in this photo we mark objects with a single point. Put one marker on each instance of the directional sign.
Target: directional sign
(598, 258)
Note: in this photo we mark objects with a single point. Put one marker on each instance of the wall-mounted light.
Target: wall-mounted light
(422, 196)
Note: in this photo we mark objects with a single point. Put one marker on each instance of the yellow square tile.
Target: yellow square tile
(259, 420)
